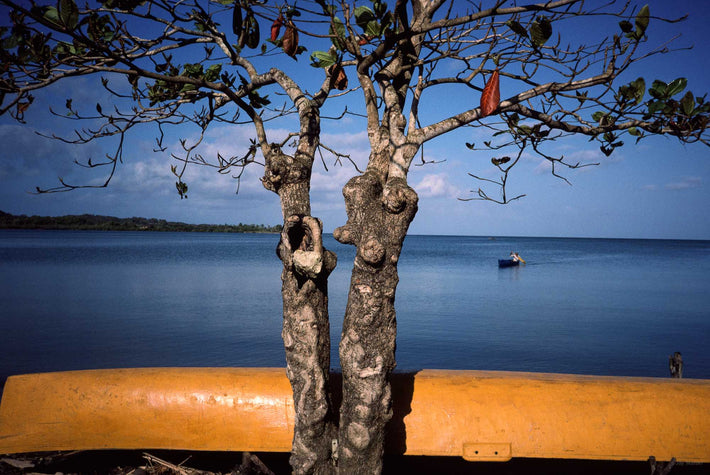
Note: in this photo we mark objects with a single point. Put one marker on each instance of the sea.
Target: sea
(72, 300)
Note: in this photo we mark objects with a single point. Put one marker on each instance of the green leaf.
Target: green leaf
(292, 12)
(68, 13)
(639, 87)
(525, 130)
(676, 86)
(658, 89)
(642, 19)
(634, 131)
(192, 70)
(540, 31)
(181, 188)
(373, 29)
(634, 91)
(500, 161)
(337, 32)
(363, 16)
(517, 28)
(380, 8)
(109, 35)
(212, 73)
(10, 42)
(52, 14)
(688, 103)
(626, 26)
(656, 106)
(227, 79)
(322, 59)
(701, 109)
(257, 102)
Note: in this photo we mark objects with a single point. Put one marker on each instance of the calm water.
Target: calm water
(78, 300)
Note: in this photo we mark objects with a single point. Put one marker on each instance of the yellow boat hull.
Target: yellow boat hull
(478, 415)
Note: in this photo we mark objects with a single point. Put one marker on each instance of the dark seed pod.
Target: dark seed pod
(338, 78)
(290, 40)
(252, 31)
(237, 19)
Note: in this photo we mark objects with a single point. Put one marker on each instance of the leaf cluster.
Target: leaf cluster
(685, 116)
(538, 33)
(637, 30)
(372, 23)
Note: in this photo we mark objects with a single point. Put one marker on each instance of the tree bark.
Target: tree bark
(379, 213)
(306, 329)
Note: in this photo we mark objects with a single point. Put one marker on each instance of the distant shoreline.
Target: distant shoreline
(91, 222)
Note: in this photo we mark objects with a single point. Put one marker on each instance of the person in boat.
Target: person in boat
(516, 257)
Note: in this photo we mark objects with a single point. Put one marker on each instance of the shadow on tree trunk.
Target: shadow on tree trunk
(402, 394)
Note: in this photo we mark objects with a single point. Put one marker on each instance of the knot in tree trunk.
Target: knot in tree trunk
(281, 169)
(372, 251)
(396, 195)
(301, 248)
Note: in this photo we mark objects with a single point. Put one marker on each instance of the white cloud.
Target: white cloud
(332, 180)
(436, 185)
(684, 183)
(357, 140)
(543, 168)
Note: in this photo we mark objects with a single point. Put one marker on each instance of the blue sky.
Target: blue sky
(656, 189)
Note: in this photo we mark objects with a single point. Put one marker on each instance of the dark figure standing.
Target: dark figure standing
(675, 364)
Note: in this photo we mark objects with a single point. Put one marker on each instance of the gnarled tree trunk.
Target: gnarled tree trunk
(379, 213)
(306, 330)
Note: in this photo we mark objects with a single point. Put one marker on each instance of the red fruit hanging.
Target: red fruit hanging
(276, 27)
(490, 98)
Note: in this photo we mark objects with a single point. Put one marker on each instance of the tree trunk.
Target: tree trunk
(306, 330)
(379, 214)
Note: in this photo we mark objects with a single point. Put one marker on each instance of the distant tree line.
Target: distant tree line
(111, 223)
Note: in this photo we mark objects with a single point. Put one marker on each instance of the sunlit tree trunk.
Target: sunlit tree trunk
(379, 213)
(306, 330)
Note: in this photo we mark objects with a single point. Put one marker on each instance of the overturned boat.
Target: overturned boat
(477, 415)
